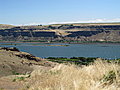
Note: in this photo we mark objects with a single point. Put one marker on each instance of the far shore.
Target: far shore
(84, 42)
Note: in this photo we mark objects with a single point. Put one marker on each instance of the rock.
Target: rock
(27, 56)
(9, 49)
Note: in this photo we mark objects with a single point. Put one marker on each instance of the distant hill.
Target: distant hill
(75, 32)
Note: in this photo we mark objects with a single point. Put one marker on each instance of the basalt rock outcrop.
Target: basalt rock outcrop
(62, 32)
(9, 49)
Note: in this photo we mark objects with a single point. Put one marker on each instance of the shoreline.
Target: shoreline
(62, 42)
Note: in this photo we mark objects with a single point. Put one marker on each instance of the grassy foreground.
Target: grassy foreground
(100, 75)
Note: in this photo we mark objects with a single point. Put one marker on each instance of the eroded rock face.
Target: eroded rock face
(28, 56)
(91, 32)
(9, 49)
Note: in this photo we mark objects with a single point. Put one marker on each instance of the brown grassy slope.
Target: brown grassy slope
(86, 24)
(15, 66)
(10, 63)
(5, 26)
(111, 36)
(19, 62)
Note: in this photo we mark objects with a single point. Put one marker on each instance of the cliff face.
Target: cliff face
(96, 35)
(28, 34)
(79, 32)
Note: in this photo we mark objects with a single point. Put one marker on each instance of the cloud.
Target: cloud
(90, 21)
(31, 24)
(68, 22)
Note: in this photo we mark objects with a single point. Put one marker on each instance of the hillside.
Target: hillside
(23, 71)
(17, 65)
(5, 26)
(14, 61)
(62, 32)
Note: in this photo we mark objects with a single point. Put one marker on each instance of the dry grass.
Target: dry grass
(70, 77)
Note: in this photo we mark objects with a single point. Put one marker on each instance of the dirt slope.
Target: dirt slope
(16, 65)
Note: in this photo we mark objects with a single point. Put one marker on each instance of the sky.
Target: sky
(30, 12)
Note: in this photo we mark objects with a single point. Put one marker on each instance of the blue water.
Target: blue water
(109, 51)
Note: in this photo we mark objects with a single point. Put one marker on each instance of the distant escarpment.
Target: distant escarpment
(62, 32)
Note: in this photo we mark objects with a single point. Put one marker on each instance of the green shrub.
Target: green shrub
(19, 79)
(15, 73)
(109, 77)
(73, 60)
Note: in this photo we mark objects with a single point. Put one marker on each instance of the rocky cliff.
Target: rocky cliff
(62, 32)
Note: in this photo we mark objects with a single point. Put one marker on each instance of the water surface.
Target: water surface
(109, 51)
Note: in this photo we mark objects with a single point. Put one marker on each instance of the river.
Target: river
(108, 51)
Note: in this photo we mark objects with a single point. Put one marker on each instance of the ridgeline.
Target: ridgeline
(70, 33)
